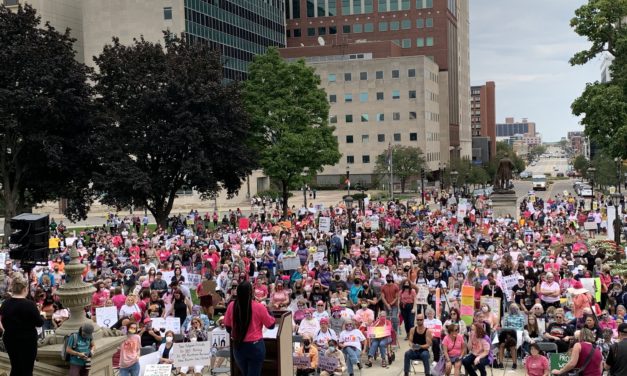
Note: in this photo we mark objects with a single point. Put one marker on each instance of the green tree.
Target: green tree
(478, 175)
(45, 117)
(290, 113)
(606, 171)
(173, 122)
(581, 164)
(536, 151)
(407, 162)
(603, 106)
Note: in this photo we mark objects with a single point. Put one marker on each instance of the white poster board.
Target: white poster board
(319, 256)
(158, 370)
(291, 263)
(324, 224)
(146, 360)
(191, 354)
(3, 260)
(220, 338)
(588, 284)
(423, 293)
(508, 283)
(404, 253)
(169, 323)
(106, 316)
(193, 280)
(374, 223)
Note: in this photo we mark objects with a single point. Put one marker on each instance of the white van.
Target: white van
(539, 182)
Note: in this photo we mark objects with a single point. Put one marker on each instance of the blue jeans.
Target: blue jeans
(130, 371)
(417, 355)
(392, 314)
(381, 344)
(352, 356)
(468, 362)
(249, 357)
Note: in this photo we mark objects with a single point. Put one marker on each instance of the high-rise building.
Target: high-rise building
(435, 29)
(483, 114)
(239, 29)
(511, 128)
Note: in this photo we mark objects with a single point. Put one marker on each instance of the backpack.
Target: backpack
(66, 340)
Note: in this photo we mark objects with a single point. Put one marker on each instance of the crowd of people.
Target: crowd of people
(464, 289)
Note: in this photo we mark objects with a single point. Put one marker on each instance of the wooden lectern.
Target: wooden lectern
(279, 349)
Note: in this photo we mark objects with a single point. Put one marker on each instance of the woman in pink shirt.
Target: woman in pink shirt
(453, 349)
(244, 320)
(536, 364)
(129, 352)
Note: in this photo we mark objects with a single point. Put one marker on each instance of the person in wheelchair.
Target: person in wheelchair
(513, 322)
(380, 337)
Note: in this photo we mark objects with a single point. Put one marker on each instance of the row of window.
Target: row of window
(365, 138)
(362, 28)
(326, 8)
(378, 75)
(380, 117)
(379, 95)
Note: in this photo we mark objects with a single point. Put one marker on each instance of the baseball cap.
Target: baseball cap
(87, 330)
(325, 320)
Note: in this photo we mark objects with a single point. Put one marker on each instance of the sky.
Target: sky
(524, 47)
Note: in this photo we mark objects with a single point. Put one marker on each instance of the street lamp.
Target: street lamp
(591, 172)
(348, 200)
(304, 174)
(454, 175)
(619, 162)
(348, 182)
(618, 224)
(441, 169)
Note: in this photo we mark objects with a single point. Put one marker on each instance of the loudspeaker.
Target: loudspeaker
(29, 237)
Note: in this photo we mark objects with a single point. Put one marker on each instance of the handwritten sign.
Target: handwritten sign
(422, 295)
(404, 253)
(193, 280)
(106, 316)
(319, 256)
(324, 224)
(291, 263)
(220, 338)
(169, 323)
(508, 283)
(558, 361)
(158, 370)
(302, 362)
(167, 275)
(3, 260)
(191, 354)
(328, 363)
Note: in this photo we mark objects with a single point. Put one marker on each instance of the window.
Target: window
(396, 94)
(396, 116)
(383, 5)
(333, 119)
(332, 77)
(380, 117)
(412, 115)
(365, 118)
(310, 8)
(420, 42)
(369, 27)
(420, 23)
(348, 118)
(365, 138)
(422, 4)
(350, 159)
(394, 25)
(357, 28)
(332, 98)
(381, 138)
(406, 43)
(395, 73)
(379, 95)
(349, 139)
(411, 94)
(429, 22)
(405, 24)
(429, 41)
(322, 30)
(289, 33)
(363, 97)
(346, 7)
(363, 76)
(297, 33)
(348, 98)
(346, 29)
(397, 137)
(383, 26)
(332, 30)
(365, 159)
(405, 4)
(167, 13)
(368, 6)
(311, 31)
(379, 75)
(411, 72)
(347, 77)
(413, 137)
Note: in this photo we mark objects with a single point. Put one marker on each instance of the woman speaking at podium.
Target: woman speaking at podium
(244, 320)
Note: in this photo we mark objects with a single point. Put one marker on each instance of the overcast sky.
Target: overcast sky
(524, 47)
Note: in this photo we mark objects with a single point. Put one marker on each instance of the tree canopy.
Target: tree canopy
(407, 162)
(172, 122)
(603, 106)
(45, 116)
(289, 112)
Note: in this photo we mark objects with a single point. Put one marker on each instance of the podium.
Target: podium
(279, 348)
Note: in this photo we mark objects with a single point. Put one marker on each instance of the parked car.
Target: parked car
(560, 175)
(525, 175)
(585, 191)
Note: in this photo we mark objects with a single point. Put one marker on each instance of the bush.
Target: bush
(272, 194)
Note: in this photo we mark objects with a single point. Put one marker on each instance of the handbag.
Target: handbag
(439, 368)
(578, 371)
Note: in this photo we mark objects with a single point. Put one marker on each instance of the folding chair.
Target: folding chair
(225, 368)
(547, 347)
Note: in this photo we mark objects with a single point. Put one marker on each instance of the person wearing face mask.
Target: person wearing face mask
(309, 325)
(408, 300)
(334, 352)
(352, 342)
(381, 337)
(337, 282)
(324, 335)
(318, 293)
(309, 350)
(364, 316)
(129, 352)
(390, 294)
(165, 349)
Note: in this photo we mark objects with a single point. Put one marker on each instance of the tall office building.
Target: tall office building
(436, 29)
(512, 128)
(483, 117)
(240, 29)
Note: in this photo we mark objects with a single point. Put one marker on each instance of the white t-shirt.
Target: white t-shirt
(322, 339)
(352, 338)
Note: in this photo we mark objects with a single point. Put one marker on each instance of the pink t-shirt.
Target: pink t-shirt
(454, 347)
(260, 318)
(129, 351)
(536, 365)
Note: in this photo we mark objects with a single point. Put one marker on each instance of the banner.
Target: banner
(291, 263)
(467, 307)
(422, 295)
(404, 253)
(319, 256)
(191, 354)
(328, 363)
(158, 370)
(324, 224)
(106, 316)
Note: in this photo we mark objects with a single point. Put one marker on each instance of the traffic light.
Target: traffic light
(28, 241)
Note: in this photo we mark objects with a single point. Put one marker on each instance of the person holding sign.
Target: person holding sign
(584, 356)
(309, 351)
(380, 335)
(334, 352)
(244, 320)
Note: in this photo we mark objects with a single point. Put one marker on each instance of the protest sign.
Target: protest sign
(404, 253)
(302, 362)
(146, 360)
(508, 283)
(324, 224)
(106, 316)
(378, 331)
(467, 304)
(220, 338)
(422, 295)
(291, 263)
(494, 304)
(167, 275)
(169, 323)
(158, 370)
(3, 260)
(374, 223)
(558, 361)
(593, 285)
(191, 354)
(193, 280)
(319, 256)
(327, 363)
